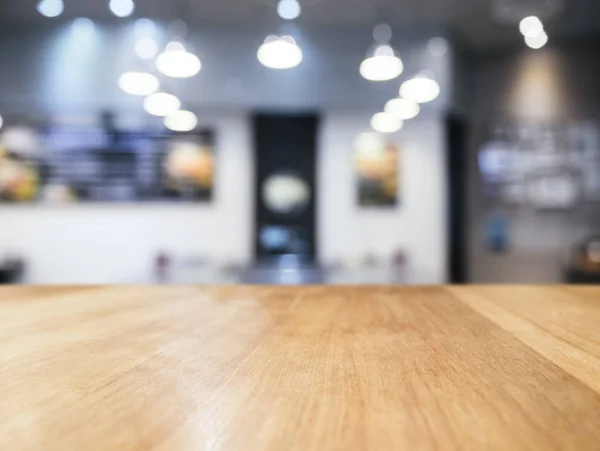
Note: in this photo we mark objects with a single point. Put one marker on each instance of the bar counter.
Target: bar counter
(299, 368)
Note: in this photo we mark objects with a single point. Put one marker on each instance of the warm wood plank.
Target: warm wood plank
(178, 368)
(562, 324)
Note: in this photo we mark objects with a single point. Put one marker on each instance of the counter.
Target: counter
(299, 368)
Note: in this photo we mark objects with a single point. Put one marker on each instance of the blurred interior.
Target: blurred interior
(272, 152)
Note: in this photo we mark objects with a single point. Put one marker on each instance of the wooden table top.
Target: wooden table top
(313, 368)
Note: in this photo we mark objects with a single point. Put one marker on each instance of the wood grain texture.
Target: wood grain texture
(311, 368)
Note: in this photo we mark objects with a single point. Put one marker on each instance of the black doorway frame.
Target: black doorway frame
(457, 176)
(286, 142)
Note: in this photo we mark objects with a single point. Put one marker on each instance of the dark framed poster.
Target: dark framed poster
(545, 166)
(376, 165)
(58, 165)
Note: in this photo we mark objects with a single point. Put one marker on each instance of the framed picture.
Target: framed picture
(59, 165)
(376, 165)
(546, 165)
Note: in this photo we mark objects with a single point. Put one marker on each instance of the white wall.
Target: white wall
(418, 225)
(90, 243)
(117, 243)
(108, 243)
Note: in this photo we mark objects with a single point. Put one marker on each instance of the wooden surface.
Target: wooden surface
(187, 368)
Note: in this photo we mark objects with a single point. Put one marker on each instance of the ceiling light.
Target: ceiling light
(83, 26)
(176, 62)
(531, 26)
(146, 48)
(420, 89)
(383, 65)
(181, 121)
(279, 53)
(402, 108)
(386, 123)
(382, 33)
(368, 143)
(122, 8)
(144, 27)
(289, 9)
(161, 104)
(138, 83)
(537, 41)
(438, 47)
(50, 8)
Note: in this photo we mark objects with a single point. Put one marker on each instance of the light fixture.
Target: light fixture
(402, 108)
(438, 46)
(381, 63)
(144, 27)
(83, 26)
(50, 8)
(386, 123)
(139, 83)
(1, 122)
(368, 143)
(289, 9)
(531, 26)
(279, 53)
(146, 48)
(161, 104)
(177, 62)
(122, 8)
(537, 41)
(421, 89)
(382, 33)
(181, 121)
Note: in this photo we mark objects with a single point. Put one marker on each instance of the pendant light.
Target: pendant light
(537, 41)
(279, 53)
(289, 9)
(122, 8)
(181, 121)
(51, 8)
(382, 62)
(368, 143)
(177, 62)
(402, 108)
(386, 123)
(146, 48)
(531, 26)
(161, 104)
(138, 83)
(146, 45)
(421, 89)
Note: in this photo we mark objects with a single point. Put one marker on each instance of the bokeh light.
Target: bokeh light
(181, 121)
(50, 8)
(161, 104)
(386, 123)
(122, 8)
(289, 9)
(138, 83)
(279, 53)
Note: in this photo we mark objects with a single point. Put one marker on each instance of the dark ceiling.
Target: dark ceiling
(472, 20)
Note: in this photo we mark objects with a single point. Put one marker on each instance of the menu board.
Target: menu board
(68, 165)
(546, 166)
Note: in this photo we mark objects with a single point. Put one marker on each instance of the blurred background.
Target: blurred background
(299, 141)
